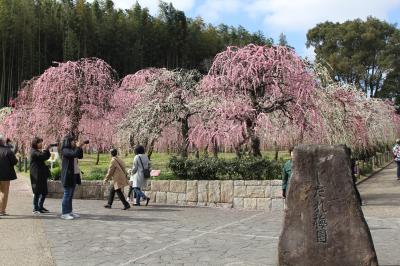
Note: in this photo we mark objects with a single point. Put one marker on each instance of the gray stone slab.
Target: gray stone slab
(324, 223)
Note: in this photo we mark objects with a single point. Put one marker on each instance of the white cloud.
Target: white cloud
(278, 15)
(300, 15)
(213, 10)
(294, 16)
(152, 5)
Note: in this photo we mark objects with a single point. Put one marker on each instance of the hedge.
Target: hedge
(247, 168)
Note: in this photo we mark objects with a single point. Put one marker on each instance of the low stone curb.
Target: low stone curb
(365, 178)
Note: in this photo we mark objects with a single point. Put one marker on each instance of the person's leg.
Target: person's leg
(111, 196)
(130, 192)
(138, 195)
(41, 201)
(122, 197)
(66, 200)
(4, 189)
(144, 197)
(398, 170)
(36, 197)
(71, 197)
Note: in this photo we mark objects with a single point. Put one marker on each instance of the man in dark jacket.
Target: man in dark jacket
(71, 151)
(7, 173)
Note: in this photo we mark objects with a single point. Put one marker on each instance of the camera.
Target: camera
(86, 142)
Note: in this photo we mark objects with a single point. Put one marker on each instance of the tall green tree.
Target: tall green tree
(357, 52)
(35, 33)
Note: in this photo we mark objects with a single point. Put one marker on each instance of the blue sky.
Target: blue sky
(292, 17)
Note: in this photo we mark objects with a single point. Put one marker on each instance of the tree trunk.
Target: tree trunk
(151, 148)
(254, 140)
(206, 151)
(215, 149)
(185, 137)
(238, 151)
(98, 157)
(76, 117)
(276, 151)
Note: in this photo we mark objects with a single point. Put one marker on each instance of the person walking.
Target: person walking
(39, 173)
(396, 155)
(7, 173)
(71, 151)
(116, 172)
(286, 174)
(140, 174)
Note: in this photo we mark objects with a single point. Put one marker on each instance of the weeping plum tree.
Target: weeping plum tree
(349, 117)
(124, 101)
(68, 98)
(250, 83)
(15, 124)
(344, 115)
(165, 102)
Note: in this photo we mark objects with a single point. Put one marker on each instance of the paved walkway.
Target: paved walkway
(22, 237)
(170, 235)
(381, 195)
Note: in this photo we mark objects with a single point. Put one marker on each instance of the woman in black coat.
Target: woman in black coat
(39, 173)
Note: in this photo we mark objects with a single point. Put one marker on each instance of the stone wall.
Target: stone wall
(241, 194)
(87, 190)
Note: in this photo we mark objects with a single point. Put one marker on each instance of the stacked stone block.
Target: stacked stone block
(242, 194)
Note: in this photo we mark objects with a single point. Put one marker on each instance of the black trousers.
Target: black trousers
(120, 196)
(38, 201)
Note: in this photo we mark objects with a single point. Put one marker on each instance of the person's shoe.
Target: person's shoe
(3, 214)
(36, 212)
(75, 215)
(67, 217)
(136, 204)
(147, 201)
(107, 206)
(44, 210)
(126, 207)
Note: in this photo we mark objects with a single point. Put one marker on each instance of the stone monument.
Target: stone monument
(324, 224)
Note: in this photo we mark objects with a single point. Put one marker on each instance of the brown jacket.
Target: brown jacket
(117, 172)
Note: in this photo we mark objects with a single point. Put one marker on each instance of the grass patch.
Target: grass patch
(159, 161)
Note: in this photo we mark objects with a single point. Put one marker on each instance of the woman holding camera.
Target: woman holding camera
(39, 173)
(71, 151)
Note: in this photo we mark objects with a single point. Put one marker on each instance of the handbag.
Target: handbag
(146, 172)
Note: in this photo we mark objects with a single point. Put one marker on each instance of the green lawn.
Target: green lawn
(88, 163)
(159, 161)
